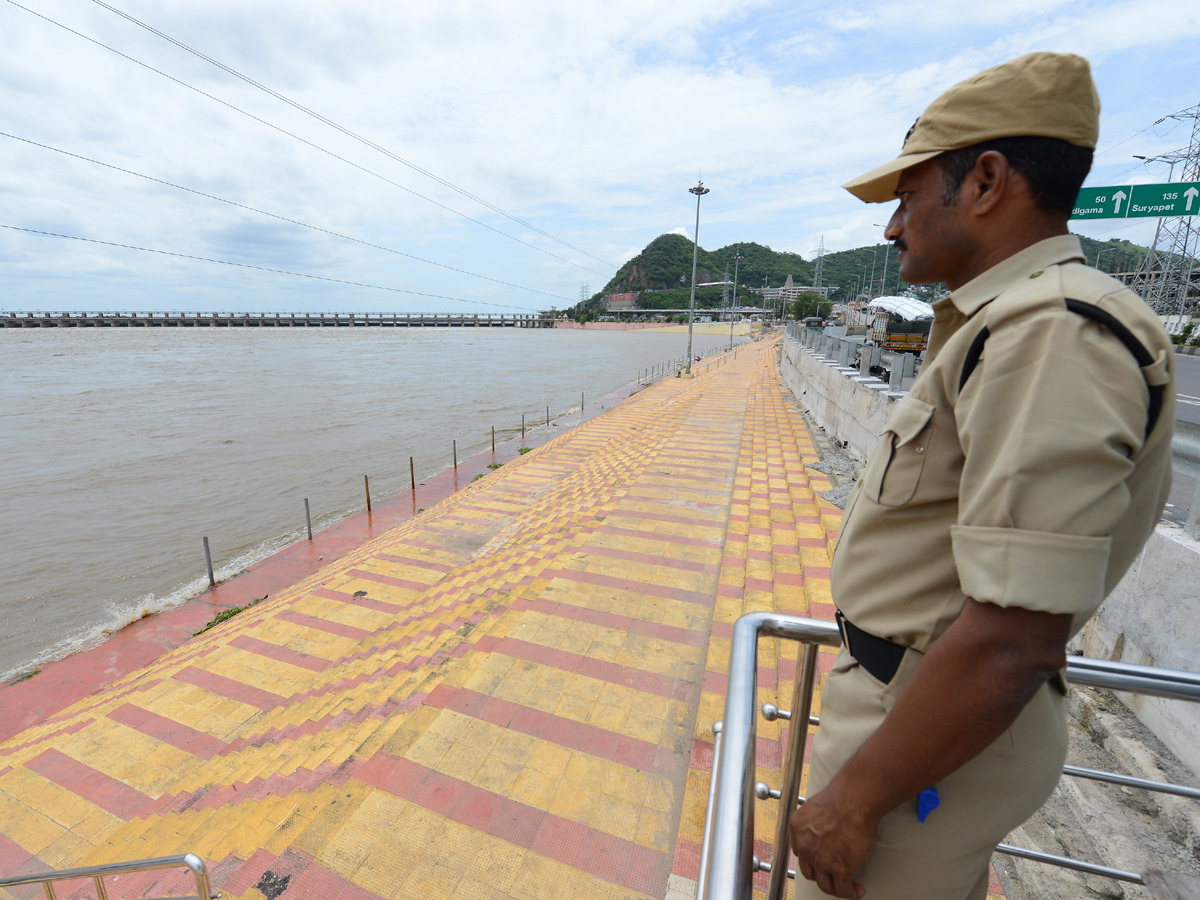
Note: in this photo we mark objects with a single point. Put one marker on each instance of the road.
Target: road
(1187, 376)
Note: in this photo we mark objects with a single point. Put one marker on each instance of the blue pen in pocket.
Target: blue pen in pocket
(927, 801)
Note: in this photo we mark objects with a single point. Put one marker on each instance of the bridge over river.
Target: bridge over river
(270, 320)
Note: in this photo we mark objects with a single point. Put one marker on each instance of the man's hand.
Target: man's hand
(831, 843)
(969, 688)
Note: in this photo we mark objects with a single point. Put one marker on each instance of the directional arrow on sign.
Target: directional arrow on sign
(1118, 196)
(1191, 194)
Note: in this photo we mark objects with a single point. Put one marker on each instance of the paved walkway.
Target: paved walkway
(506, 696)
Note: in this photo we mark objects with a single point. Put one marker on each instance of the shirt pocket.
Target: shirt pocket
(894, 470)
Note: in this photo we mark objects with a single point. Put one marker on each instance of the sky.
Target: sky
(495, 157)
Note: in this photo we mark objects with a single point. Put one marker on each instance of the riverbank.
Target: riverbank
(740, 329)
(124, 447)
(509, 695)
(30, 699)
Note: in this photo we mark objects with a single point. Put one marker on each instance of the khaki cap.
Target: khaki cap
(1038, 95)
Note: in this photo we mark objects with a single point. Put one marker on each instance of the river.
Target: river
(121, 448)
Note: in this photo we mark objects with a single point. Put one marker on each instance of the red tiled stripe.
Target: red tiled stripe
(90, 784)
(389, 579)
(617, 622)
(70, 729)
(613, 859)
(16, 860)
(602, 670)
(424, 545)
(629, 584)
(565, 732)
(361, 600)
(676, 464)
(282, 654)
(662, 517)
(307, 879)
(656, 536)
(650, 559)
(821, 610)
(415, 561)
(687, 862)
(227, 687)
(335, 628)
(168, 731)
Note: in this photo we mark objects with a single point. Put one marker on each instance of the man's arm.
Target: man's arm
(966, 692)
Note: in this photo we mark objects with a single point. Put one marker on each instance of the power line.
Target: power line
(346, 131)
(1154, 89)
(272, 215)
(297, 137)
(226, 262)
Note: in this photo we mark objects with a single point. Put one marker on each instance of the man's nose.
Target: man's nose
(893, 229)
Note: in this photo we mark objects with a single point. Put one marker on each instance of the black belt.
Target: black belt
(877, 655)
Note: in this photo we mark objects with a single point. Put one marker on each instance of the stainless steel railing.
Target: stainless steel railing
(728, 863)
(98, 873)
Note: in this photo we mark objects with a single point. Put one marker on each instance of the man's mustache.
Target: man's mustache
(899, 245)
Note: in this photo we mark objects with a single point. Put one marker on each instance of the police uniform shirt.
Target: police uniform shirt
(1037, 485)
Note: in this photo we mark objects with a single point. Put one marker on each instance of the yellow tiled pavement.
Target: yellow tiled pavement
(507, 696)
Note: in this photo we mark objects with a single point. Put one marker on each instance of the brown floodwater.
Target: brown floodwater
(121, 448)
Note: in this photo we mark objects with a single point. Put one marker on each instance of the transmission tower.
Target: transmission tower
(820, 270)
(1167, 277)
(585, 291)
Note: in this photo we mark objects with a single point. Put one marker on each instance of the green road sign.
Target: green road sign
(1102, 203)
(1138, 201)
(1180, 199)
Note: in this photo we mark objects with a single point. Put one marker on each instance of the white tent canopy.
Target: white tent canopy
(906, 307)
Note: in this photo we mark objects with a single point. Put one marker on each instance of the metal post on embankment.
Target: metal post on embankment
(212, 582)
(412, 473)
(454, 450)
(308, 518)
(367, 488)
(547, 417)
(493, 438)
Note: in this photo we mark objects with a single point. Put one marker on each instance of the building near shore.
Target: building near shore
(628, 300)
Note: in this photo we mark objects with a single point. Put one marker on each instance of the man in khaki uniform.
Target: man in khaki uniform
(1011, 490)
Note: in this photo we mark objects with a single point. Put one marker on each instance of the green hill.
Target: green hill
(662, 271)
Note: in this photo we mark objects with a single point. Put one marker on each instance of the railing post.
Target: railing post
(702, 877)
(731, 848)
(789, 790)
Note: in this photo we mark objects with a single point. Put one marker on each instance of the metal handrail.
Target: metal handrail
(729, 863)
(98, 874)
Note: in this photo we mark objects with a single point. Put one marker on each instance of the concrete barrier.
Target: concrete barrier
(1152, 618)
(852, 408)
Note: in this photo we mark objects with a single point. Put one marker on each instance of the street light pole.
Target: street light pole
(737, 258)
(874, 256)
(699, 190)
(1100, 253)
(887, 250)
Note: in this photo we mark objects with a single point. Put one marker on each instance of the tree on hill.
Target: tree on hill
(663, 270)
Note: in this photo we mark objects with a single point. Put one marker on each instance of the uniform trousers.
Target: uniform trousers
(947, 857)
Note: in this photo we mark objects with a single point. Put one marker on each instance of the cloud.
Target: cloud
(588, 121)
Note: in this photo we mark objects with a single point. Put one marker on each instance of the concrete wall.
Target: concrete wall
(850, 407)
(1152, 618)
(607, 326)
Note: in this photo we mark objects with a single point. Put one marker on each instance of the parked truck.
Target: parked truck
(900, 323)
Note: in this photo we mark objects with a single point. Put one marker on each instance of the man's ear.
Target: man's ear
(989, 181)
